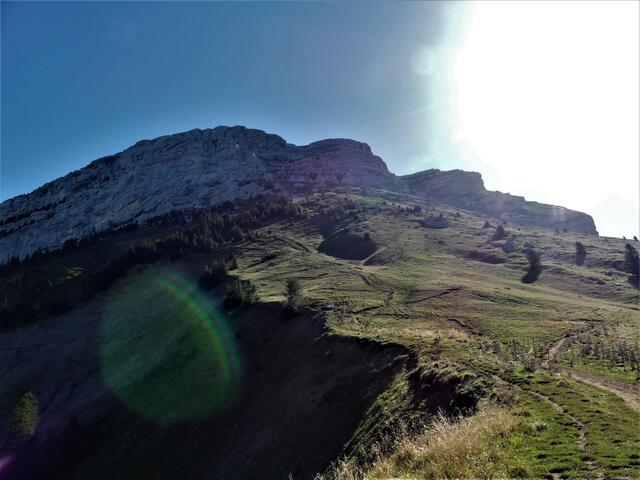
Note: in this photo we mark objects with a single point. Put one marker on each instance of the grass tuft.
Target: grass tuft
(460, 447)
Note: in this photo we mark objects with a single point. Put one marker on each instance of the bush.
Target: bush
(500, 233)
(292, 292)
(486, 224)
(632, 264)
(535, 266)
(581, 253)
(26, 416)
(533, 258)
(214, 274)
(240, 293)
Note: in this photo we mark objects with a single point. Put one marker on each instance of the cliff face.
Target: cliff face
(191, 169)
(466, 190)
(204, 167)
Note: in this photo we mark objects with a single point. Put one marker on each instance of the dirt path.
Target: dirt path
(555, 350)
(630, 394)
(582, 442)
(623, 390)
(462, 326)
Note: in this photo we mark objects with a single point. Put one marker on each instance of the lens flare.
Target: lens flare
(166, 350)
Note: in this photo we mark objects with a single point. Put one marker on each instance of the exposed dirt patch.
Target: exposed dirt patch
(460, 325)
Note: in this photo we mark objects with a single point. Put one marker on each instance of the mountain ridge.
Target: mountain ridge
(203, 167)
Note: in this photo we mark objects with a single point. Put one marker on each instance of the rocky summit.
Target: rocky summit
(205, 167)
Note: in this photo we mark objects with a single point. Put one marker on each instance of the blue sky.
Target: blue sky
(81, 80)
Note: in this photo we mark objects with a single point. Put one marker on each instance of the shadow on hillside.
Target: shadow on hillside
(532, 275)
(302, 397)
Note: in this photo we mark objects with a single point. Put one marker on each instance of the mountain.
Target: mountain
(206, 167)
(373, 327)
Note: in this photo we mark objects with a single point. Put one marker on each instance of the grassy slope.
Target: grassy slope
(420, 286)
(421, 290)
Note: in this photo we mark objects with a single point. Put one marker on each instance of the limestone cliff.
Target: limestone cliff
(204, 167)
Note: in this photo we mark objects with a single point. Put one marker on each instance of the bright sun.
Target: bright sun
(547, 95)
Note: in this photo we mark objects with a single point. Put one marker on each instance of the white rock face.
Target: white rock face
(205, 167)
(192, 169)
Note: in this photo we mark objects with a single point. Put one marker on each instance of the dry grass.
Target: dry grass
(463, 447)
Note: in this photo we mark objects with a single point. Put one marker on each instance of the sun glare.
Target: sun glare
(547, 95)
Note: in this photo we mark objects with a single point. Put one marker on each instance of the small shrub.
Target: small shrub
(500, 233)
(487, 224)
(26, 417)
(292, 293)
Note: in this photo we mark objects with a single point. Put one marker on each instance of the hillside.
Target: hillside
(139, 371)
(200, 168)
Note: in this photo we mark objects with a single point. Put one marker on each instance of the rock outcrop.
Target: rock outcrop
(466, 190)
(204, 167)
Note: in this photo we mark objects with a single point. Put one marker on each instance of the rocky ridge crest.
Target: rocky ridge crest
(204, 167)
